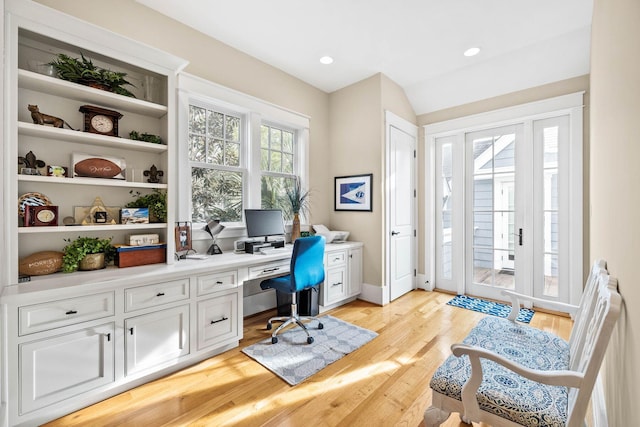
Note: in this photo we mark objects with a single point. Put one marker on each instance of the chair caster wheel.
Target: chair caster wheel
(320, 326)
(274, 340)
(269, 326)
(309, 340)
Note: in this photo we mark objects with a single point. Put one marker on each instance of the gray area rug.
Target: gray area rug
(293, 360)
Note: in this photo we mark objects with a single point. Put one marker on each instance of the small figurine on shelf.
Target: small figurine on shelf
(31, 164)
(154, 174)
(46, 119)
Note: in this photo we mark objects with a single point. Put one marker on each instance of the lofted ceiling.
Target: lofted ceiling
(419, 44)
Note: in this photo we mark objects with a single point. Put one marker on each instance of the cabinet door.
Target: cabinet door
(217, 320)
(355, 271)
(64, 366)
(156, 338)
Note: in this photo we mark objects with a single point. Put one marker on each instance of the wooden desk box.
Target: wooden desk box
(131, 256)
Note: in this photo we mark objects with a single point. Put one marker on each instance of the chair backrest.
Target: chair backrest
(586, 357)
(307, 262)
(587, 300)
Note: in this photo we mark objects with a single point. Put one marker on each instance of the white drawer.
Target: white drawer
(217, 320)
(336, 258)
(270, 269)
(156, 294)
(335, 285)
(218, 281)
(55, 314)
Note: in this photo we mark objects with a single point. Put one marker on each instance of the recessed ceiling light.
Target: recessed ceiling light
(472, 51)
(326, 60)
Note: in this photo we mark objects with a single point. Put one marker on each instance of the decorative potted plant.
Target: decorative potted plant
(156, 201)
(87, 253)
(299, 200)
(85, 72)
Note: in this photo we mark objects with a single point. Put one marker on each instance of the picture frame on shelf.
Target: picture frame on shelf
(85, 215)
(353, 193)
(183, 236)
(134, 216)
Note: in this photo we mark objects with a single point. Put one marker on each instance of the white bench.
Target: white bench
(508, 374)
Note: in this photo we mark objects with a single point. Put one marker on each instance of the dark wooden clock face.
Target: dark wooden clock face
(41, 216)
(100, 120)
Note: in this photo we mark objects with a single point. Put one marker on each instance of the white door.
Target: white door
(401, 144)
(507, 208)
(494, 192)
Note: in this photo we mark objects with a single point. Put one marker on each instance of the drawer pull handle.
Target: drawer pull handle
(337, 258)
(218, 282)
(131, 331)
(70, 312)
(219, 320)
(109, 337)
(269, 270)
(160, 294)
(336, 284)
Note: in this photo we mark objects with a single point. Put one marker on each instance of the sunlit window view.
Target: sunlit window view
(215, 158)
(493, 210)
(550, 165)
(277, 154)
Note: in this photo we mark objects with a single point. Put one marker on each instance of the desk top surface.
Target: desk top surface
(133, 276)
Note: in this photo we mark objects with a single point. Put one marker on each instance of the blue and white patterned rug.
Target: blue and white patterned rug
(490, 307)
(293, 360)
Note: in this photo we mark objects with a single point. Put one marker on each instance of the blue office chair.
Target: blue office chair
(307, 271)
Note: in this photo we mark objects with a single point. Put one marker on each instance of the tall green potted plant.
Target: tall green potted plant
(299, 200)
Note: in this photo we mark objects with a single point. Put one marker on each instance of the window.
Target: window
(216, 165)
(277, 165)
(239, 152)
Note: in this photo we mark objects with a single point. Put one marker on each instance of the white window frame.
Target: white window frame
(255, 112)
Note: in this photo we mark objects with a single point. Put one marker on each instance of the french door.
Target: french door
(505, 200)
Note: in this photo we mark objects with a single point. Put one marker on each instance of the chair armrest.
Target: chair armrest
(469, 390)
(515, 304)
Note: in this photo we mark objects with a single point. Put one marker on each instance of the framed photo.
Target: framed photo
(134, 216)
(353, 193)
(91, 215)
(183, 236)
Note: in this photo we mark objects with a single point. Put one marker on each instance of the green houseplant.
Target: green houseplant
(85, 72)
(156, 201)
(299, 200)
(76, 251)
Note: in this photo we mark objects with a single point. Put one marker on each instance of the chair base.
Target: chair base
(288, 320)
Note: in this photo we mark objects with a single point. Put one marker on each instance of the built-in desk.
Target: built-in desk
(74, 339)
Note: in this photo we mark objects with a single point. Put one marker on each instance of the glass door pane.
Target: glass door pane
(491, 228)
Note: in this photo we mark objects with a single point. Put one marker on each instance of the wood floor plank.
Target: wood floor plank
(385, 382)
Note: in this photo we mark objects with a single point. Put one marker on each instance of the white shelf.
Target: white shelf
(67, 135)
(89, 181)
(54, 86)
(84, 228)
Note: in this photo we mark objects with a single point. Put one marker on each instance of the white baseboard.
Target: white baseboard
(423, 283)
(598, 405)
(374, 294)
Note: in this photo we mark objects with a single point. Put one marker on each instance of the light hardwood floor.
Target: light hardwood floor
(384, 383)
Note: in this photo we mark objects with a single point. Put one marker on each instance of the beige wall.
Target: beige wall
(563, 87)
(356, 137)
(358, 145)
(615, 176)
(222, 64)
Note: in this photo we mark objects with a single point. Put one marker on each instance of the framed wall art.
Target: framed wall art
(183, 236)
(353, 193)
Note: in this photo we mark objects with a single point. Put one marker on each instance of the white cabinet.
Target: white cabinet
(61, 367)
(155, 339)
(343, 273)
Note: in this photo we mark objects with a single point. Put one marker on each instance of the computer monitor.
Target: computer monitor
(264, 222)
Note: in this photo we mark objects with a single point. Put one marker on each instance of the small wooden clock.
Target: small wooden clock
(100, 120)
(35, 216)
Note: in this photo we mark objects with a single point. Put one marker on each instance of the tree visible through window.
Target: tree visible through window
(216, 167)
(277, 150)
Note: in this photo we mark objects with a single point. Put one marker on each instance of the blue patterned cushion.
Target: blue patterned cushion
(503, 392)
